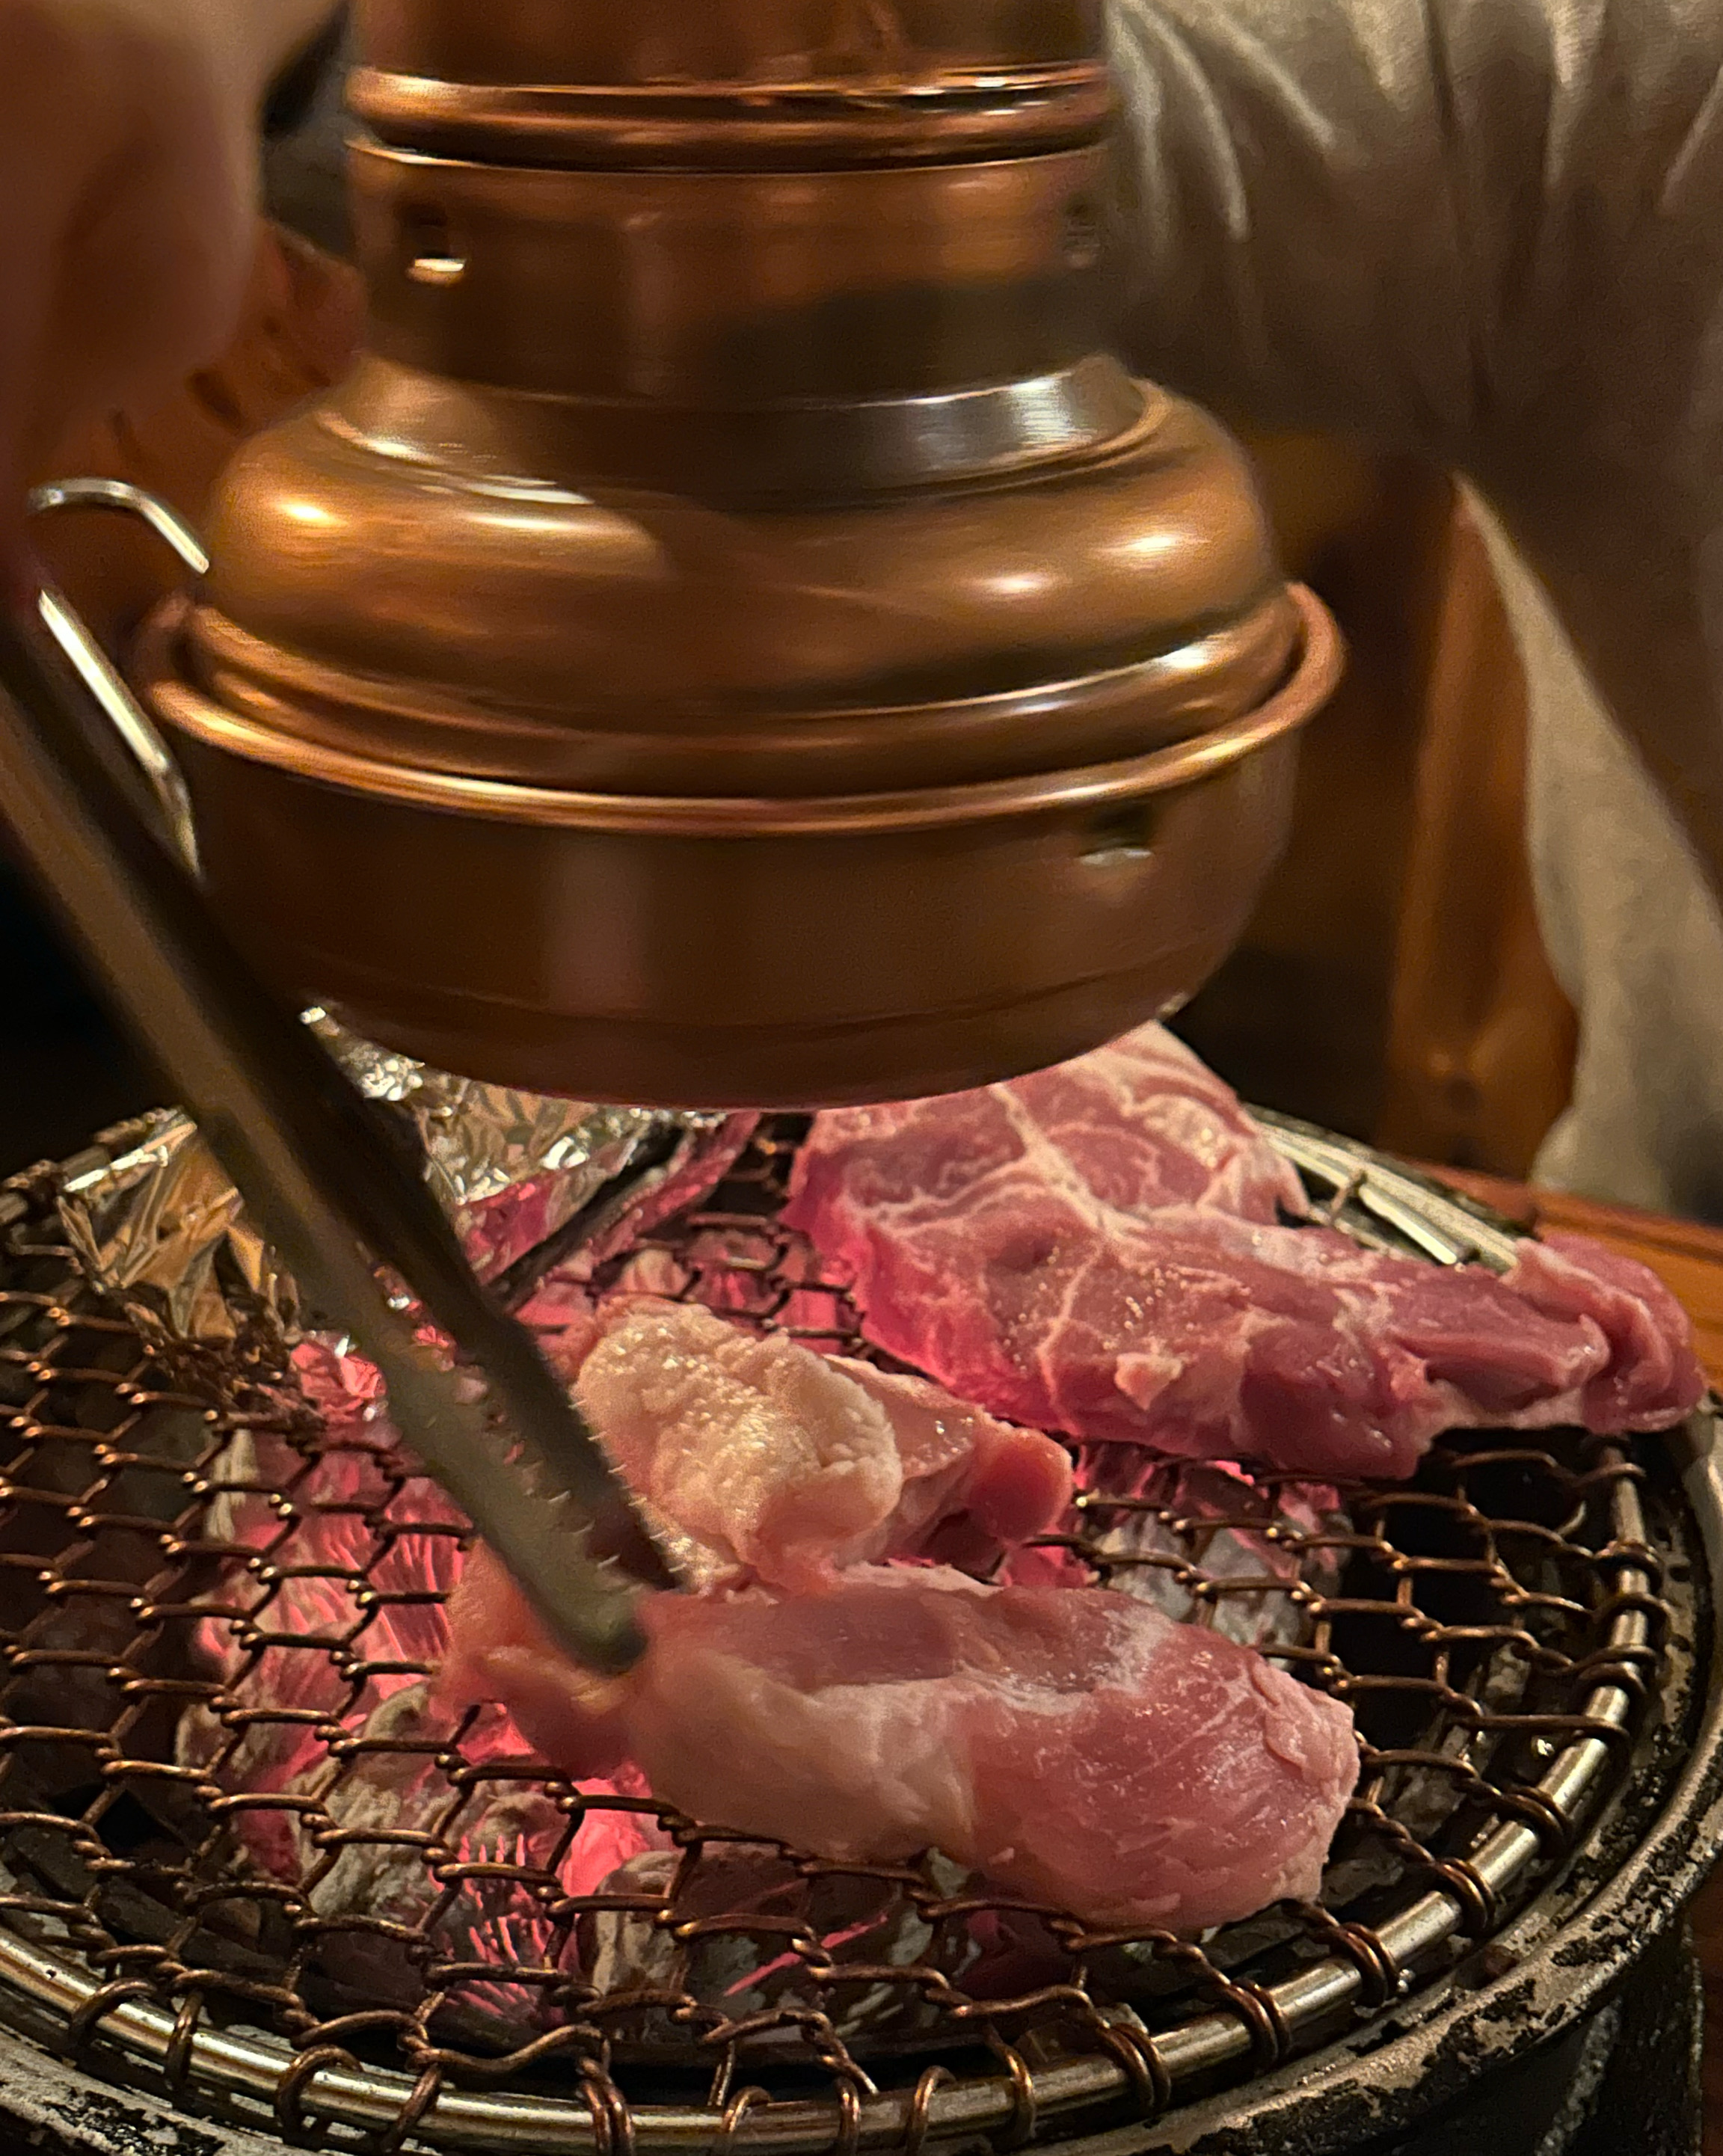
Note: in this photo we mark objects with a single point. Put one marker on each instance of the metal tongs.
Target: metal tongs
(85, 785)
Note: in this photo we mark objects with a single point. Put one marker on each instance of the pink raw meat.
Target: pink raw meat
(1073, 1745)
(972, 1486)
(1094, 1249)
(763, 1457)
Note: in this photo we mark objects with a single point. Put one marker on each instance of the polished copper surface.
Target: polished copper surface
(872, 81)
(616, 932)
(736, 519)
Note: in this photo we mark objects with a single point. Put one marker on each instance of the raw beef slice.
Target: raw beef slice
(1096, 1249)
(1070, 1744)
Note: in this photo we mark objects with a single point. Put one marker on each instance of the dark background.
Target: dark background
(64, 1071)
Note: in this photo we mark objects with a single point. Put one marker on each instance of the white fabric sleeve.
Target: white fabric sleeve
(1394, 216)
(1490, 230)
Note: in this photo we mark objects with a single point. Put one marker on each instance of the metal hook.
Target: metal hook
(92, 664)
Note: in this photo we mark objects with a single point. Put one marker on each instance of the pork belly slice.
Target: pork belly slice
(1033, 1247)
(761, 1456)
(1070, 1744)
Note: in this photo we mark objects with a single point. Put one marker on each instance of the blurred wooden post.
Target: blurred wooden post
(1298, 1018)
(1481, 1038)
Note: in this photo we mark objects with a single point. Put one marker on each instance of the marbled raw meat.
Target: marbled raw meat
(761, 1456)
(1071, 1744)
(1096, 1249)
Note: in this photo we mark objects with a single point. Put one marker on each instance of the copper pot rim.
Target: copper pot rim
(1163, 770)
(371, 154)
(1166, 697)
(949, 116)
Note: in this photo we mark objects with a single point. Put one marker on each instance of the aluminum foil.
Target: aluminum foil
(164, 1231)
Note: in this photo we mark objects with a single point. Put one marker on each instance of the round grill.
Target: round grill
(243, 1847)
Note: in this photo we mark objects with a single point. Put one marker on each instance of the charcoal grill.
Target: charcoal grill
(1525, 1632)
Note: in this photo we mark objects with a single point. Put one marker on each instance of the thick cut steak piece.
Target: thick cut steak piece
(1070, 1744)
(1099, 1249)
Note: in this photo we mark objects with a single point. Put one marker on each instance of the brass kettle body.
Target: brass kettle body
(736, 638)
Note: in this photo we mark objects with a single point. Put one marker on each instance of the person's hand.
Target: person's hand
(127, 189)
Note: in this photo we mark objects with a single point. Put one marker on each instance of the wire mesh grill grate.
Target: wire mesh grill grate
(239, 1835)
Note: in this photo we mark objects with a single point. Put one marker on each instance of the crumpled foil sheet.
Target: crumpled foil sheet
(164, 1231)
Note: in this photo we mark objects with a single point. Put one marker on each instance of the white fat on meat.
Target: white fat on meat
(1070, 1744)
(755, 1455)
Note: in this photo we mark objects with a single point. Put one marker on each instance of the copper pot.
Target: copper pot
(736, 639)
